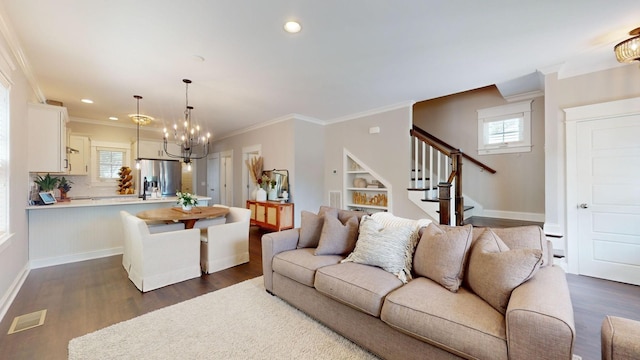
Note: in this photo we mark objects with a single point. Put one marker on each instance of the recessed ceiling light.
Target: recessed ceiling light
(87, 101)
(292, 27)
(113, 118)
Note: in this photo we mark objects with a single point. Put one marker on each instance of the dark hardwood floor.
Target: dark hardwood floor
(86, 296)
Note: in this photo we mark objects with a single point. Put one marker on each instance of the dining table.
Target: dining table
(187, 217)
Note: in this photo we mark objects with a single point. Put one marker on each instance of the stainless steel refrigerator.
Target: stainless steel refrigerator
(166, 175)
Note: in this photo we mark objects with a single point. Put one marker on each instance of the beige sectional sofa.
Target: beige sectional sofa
(421, 318)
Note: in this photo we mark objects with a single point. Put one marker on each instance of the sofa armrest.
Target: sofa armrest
(539, 317)
(273, 244)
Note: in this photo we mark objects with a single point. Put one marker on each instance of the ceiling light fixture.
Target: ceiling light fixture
(113, 118)
(292, 27)
(629, 50)
(193, 146)
(87, 101)
(141, 119)
(137, 97)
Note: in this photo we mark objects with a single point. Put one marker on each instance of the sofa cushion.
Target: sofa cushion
(360, 286)
(301, 264)
(461, 323)
(441, 254)
(526, 237)
(337, 238)
(311, 226)
(494, 270)
(382, 247)
(389, 220)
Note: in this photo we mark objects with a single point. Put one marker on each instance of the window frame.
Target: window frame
(97, 146)
(520, 110)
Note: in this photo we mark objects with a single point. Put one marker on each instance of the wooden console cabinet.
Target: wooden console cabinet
(272, 215)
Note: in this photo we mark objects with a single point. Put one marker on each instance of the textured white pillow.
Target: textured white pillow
(389, 220)
(382, 247)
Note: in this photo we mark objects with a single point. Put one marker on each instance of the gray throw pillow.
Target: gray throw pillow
(494, 270)
(337, 238)
(441, 255)
(311, 226)
(382, 247)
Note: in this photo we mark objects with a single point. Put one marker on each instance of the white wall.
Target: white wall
(292, 144)
(15, 252)
(387, 153)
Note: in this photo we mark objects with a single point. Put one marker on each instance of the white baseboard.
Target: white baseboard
(512, 215)
(40, 263)
(11, 294)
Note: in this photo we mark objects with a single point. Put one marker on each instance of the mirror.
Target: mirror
(281, 178)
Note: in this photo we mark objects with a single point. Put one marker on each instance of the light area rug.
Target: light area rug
(239, 322)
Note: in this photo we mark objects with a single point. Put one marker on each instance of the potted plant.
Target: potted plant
(64, 186)
(47, 183)
(186, 200)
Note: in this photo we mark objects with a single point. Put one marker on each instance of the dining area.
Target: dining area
(161, 243)
(167, 245)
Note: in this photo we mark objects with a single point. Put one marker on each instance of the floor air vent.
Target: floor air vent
(28, 321)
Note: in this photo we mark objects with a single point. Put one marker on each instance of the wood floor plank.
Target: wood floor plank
(86, 296)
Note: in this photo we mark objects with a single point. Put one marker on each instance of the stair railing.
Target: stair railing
(449, 184)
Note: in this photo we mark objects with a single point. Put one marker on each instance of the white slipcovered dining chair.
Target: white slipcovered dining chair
(160, 259)
(153, 229)
(224, 245)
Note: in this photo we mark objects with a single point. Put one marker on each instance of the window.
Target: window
(110, 161)
(106, 160)
(505, 129)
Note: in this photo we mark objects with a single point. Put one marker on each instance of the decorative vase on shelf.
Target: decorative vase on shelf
(187, 207)
(253, 194)
(272, 195)
(261, 195)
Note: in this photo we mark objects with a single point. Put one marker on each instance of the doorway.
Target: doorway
(226, 178)
(213, 178)
(603, 191)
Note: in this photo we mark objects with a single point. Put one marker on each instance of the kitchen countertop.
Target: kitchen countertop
(109, 201)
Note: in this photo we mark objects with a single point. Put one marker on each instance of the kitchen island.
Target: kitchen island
(84, 229)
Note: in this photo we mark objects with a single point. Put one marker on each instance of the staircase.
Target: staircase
(436, 178)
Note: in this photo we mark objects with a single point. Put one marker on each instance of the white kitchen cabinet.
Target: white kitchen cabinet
(47, 144)
(154, 150)
(78, 153)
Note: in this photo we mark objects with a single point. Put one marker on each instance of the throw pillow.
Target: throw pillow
(382, 247)
(337, 238)
(441, 255)
(311, 226)
(389, 220)
(494, 270)
(345, 215)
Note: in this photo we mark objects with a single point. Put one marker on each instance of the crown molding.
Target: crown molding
(271, 122)
(16, 49)
(371, 112)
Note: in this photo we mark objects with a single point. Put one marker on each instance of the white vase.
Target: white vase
(252, 195)
(272, 195)
(261, 195)
(187, 207)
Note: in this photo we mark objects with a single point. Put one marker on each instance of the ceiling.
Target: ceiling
(350, 57)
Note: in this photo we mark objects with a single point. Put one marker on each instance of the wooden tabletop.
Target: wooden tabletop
(189, 218)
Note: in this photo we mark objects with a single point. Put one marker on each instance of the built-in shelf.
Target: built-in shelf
(363, 188)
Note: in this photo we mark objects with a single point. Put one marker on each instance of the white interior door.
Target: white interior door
(226, 178)
(608, 194)
(213, 178)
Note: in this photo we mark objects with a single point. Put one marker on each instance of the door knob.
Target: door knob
(583, 206)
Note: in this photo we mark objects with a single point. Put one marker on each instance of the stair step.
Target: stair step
(466, 208)
(422, 189)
